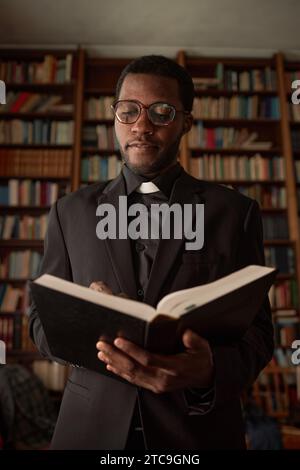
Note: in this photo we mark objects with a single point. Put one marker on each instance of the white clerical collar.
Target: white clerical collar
(147, 188)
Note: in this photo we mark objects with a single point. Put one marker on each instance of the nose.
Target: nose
(143, 125)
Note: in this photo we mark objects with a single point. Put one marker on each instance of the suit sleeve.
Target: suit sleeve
(237, 367)
(56, 262)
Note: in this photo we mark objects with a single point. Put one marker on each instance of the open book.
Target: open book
(75, 317)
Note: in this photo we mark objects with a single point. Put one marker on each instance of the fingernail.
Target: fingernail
(118, 342)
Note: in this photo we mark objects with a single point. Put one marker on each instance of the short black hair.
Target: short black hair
(163, 67)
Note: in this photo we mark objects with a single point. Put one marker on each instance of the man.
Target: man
(189, 400)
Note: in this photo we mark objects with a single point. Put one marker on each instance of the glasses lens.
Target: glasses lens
(127, 111)
(161, 113)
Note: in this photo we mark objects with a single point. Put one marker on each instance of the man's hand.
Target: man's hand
(160, 373)
(100, 286)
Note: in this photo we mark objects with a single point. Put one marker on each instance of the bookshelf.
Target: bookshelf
(100, 156)
(242, 138)
(38, 149)
(56, 135)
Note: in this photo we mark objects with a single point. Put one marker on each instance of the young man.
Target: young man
(189, 400)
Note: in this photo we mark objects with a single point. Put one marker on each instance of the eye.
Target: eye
(163, 109)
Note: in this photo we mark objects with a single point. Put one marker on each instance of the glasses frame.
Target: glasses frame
(141, 106)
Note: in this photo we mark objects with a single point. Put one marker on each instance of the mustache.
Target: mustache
(141, 142)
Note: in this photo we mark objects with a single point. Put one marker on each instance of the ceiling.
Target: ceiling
(131, 27)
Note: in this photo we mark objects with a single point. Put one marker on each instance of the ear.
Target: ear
(188, 123)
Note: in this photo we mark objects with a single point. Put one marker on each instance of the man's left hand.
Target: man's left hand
(160, 373)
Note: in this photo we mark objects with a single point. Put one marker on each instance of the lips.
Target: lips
(143, 145)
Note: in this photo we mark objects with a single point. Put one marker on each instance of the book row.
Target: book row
(22, 264)
(35, 163)
(26, 102)
(99, 108)
(282, 257)
(284, 295)
(48, 70)
(99, 168)
(23, 227)
(275, 226)
(236, 107)
(13, 298)
(39, 131)
(268, 197)
(31, 193)
(286, 331)
(225, 137)
(100, 136)
(231, 167)
(263, 79)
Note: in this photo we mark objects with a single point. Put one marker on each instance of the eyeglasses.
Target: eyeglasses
(160, 114)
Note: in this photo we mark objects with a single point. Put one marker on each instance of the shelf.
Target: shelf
(24, 355)
(11, 209)
(273, 209)
(31, 177)
(278, 242)
(40, 87)
(29, 116)
(237, 150)
(289, 307)
(37, 177)
(247, 182)
(224, 92)
(100, 91)
(15, 312)
(38, 146)
(22, 243)
(284, 276)
(231, 121)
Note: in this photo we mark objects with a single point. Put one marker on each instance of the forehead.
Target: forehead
(150, 88)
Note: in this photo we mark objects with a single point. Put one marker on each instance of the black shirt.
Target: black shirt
(143, 253)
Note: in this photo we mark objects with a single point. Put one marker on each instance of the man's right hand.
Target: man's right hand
(100, 286)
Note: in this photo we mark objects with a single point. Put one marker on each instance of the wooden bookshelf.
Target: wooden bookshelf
(36, 79)
(100, 79)
(278, 132)
(96, 78)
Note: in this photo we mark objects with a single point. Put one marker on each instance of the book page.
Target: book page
(180, 302)
(130, 307)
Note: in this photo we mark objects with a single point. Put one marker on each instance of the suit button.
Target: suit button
(140, 293)
(139, 247)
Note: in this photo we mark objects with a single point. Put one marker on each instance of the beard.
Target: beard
(163, 160)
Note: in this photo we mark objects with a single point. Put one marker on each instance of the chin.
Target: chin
(144, 165)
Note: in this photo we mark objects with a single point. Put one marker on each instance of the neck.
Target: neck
(160, 172)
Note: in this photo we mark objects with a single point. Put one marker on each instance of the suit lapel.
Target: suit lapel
(119, 251)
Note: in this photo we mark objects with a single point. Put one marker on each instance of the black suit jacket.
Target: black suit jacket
(96, 410)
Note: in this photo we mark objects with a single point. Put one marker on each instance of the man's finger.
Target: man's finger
(100, 286)
(193, 341)
(145, 358)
